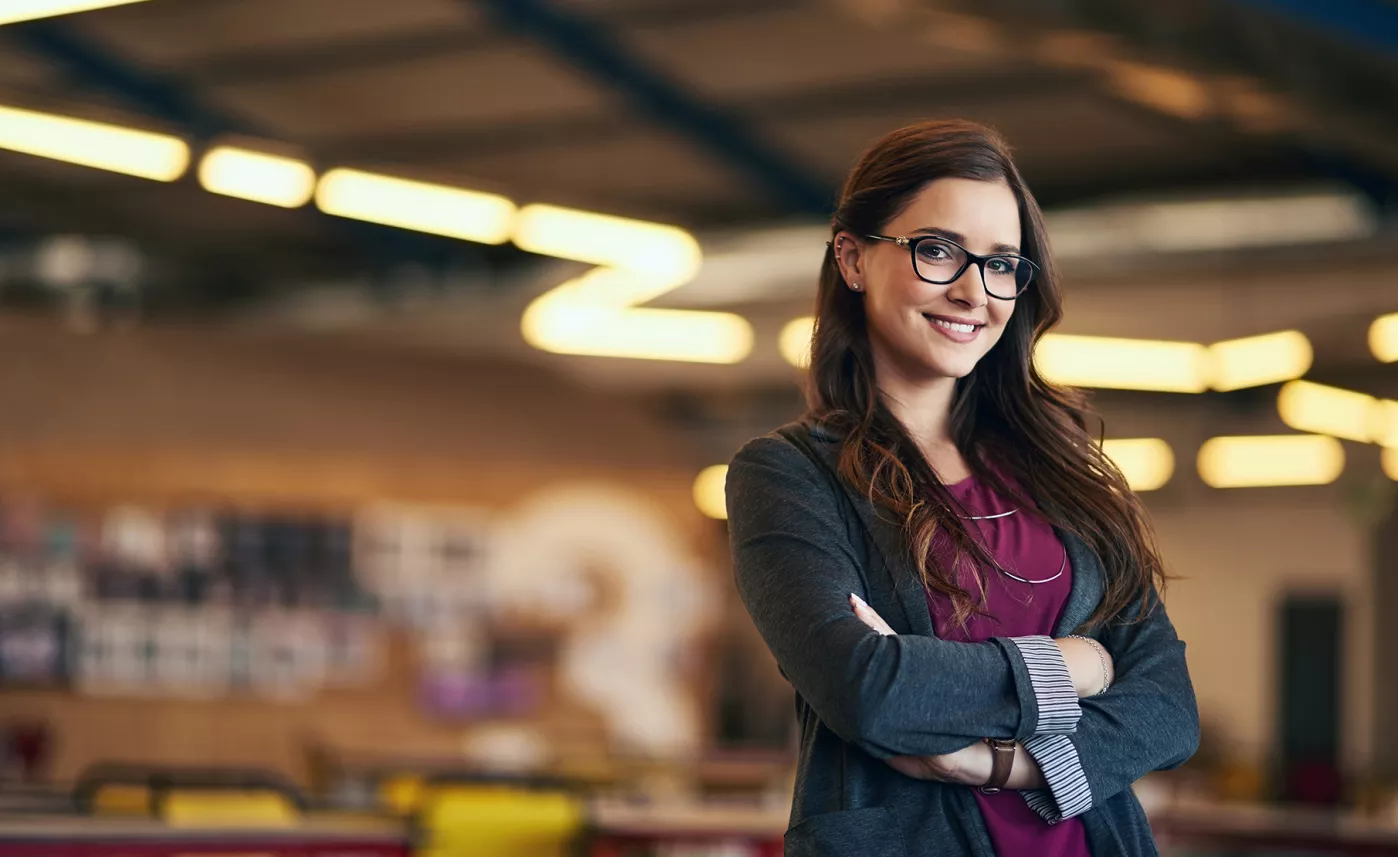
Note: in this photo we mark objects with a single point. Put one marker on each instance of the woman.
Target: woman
(920, 549)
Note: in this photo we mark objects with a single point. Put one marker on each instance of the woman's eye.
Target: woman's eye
(1002, 266)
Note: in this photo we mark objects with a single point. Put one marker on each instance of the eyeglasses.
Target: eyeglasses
(940, 260)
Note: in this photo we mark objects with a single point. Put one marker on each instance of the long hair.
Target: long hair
(1003, 412)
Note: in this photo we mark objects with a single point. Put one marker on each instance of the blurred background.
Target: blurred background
(368, 370)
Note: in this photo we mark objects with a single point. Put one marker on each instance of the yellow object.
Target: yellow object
(1254, 462)
(401, 795)
(257, 176)
(1125, 364)
(499, 821)
(121, 799)
(234, 808)
(1257, 360)
(439, 209)
(1317, 408)
(138, 153)
(12, 11)
(709, 491)
(1383, 337)
(1146, 462)
(794, 342)
(1390, 463)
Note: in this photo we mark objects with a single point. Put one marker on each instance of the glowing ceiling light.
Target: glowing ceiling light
(1384, 422)
(709, 491)
(561, 322)
(138, 153)
(597, 314)
(1146, 462)
(12, 11)
(438, 209)
(1127, 364)
(794, 341)
(665, 254)
(1383, 338)
(1311, 407)
(1257, 360)
(1254, 462)
(256, 176)
(1390, 463)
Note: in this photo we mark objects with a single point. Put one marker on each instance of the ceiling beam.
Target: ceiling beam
(655, 95)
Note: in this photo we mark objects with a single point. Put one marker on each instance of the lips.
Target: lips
(958, 330)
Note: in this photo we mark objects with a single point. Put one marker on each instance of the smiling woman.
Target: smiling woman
(957, 581)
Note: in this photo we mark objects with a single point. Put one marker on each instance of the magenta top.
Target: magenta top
(1025, 545)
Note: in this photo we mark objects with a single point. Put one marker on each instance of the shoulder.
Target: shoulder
(796, 457)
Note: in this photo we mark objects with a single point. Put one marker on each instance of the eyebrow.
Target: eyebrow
(961, 239)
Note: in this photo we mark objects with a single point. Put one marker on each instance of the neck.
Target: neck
(921, 404)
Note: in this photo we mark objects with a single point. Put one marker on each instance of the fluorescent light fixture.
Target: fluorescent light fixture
(794, 341)
(1383, 338)
(597, 314)
(12, 11)
(1384, 422)
(1255, 462)
(434, 208)
(1317, 408)
(256, 176)
(138, 153)
(668, 255)
(1125, 364)
(709, 491)
(1257, 360)
(563, 322)
(1146, 462)
(1390, 463)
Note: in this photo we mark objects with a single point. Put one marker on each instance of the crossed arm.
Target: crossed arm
(906, 696)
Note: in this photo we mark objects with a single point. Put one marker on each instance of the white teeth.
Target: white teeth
(951, 325)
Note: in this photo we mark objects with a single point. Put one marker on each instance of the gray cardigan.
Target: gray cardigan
(803, 541)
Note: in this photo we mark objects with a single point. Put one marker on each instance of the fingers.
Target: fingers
(866, 614)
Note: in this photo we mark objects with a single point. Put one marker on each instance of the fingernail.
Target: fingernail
(857, 599)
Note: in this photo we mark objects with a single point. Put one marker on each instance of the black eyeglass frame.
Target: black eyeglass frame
(971, 258)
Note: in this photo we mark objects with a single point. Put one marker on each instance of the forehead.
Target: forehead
(986, 212)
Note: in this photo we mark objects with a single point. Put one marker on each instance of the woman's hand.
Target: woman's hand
(867, 615)
(969, 766)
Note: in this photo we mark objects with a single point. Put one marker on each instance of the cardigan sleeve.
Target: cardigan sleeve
(795, 567)
(1146, 721)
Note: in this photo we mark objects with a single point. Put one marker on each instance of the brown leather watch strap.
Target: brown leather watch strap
(1002, 755)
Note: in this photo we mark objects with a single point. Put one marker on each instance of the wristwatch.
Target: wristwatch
(1002, 761)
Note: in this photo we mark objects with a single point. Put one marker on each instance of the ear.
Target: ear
(849, 255)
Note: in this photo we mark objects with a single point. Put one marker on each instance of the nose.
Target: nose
(969, 288)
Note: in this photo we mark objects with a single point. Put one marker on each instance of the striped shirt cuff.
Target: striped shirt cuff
(1052, 684)
(1068, 793)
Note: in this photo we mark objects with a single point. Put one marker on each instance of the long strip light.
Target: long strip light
(1146, 462)
(13, 11)
(1275, 460)
(144, 154)
(422, 206)
(256, 176)
(596, 314)
(1257, 360)
(1320, 409)
(1383, 337)
(1127, 364)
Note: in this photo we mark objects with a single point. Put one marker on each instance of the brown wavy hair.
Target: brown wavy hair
(1003, 412)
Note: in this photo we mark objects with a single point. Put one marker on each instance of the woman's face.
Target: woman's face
(917, 329)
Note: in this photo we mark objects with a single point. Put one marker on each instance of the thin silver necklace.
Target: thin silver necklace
(1062, 566)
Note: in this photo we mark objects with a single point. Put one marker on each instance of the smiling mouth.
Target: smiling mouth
(953, 326)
